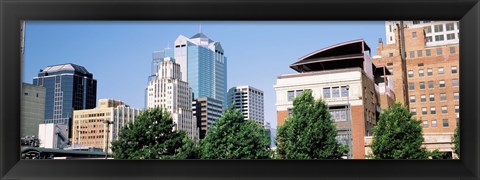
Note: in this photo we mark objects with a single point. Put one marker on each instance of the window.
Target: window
(432, 110)
(326, 93)
(449, 27)
(289, 112)
(429, 72)
(442, 83)
(454, 82)
(411, 86)
(390, 54)
(389, 64)
(439, 37)
(344, 91)
(425, 124)
(390, 27)
(456, 95)
(338, 114)
(420, 73)
(416, 22)
(440, 71)
(422, 85)
(443, 97)
(438, 28)
(414, 111)
(419, 53)
(414, 34)
(457, 108)
(428, 29)
(450, 36)
(335, 92)
(410, 73)
(432, 97)
(439, 51)
(423, 98)
(454, 69)
(424, 110)
(299, 92)
(429, 39)
(290, 95)
(445, 123)
(431, 85)
(412, 54)
(444, 109)
(391, 38)
(412, 99)
(427, 52)
(434, 123)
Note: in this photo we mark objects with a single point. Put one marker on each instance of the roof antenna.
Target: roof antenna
(200, 28)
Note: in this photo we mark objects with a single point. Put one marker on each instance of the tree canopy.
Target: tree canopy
(309, 133)
(151, 136)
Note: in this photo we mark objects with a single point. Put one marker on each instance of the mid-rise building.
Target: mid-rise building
(93, 128)
(33, 109)
(432, 76)
(249, 101)
(354, 89)
(169, 92)
(203, 66)
(69, 87)
(53, 136)
(206, 111)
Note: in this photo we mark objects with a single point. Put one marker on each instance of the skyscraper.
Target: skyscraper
(33, 109)
(249, 101)
(207, 111)
(69, 87)
(169, 92)
(203, 66)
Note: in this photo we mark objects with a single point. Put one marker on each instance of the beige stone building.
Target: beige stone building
(91, 127)
(432, 70)
(345, 77)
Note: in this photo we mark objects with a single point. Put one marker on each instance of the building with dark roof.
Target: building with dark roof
(68, 87)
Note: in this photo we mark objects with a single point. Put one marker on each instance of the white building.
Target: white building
(167, 91)
(437, 33)
(53, 135)
(249, 101)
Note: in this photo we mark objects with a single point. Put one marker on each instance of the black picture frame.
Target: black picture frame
(13, 11)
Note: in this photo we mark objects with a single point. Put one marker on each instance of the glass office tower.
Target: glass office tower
(68, 87)
(205, 65)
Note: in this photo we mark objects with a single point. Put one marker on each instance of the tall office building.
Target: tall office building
(249, 101)
(92, 126)
(169, 92)
(203, 66)
(69, 87)
(33, 109)
(207, 111)
(432, 75)
(354, 89)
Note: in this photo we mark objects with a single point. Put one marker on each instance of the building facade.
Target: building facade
(249, 101)
(91, 127)
(345, 78)
(432, 74)
(54, 136)
(69, 87)
(203, 66)
(169, 92)
(206, 111)
(32, 110)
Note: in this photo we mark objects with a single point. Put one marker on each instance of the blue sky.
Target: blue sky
(119, 53)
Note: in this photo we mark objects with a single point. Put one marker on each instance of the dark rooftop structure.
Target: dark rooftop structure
(343, 55)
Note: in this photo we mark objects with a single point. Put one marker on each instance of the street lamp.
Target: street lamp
(108, 133)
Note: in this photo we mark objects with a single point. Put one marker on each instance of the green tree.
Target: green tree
(456, 140)
(151, 136)
(398, 136)
(309, 133)
(232, 137)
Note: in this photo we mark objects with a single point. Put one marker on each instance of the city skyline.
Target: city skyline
(108, 50)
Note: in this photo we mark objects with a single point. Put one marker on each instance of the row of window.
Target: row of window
(423, 97)
(434, 123)
(440, 71)
(431, 84)
(428, 52)
(433, 110)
